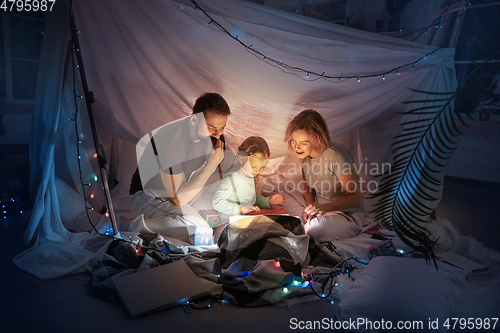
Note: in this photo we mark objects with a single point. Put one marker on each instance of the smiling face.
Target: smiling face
(215, 125)
(255, 165)
(301, 143)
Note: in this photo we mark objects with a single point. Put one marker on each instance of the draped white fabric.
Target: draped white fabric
(147, 62)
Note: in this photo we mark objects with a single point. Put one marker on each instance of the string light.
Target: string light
(297, 71)
(438, 19)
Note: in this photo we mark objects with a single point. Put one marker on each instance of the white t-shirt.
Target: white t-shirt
(322, 172)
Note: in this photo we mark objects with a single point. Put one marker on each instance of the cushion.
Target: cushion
(397, 289)
(169, 226)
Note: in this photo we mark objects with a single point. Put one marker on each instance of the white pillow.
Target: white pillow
(404, 290)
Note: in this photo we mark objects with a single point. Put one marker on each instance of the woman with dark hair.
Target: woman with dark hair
(334, 206)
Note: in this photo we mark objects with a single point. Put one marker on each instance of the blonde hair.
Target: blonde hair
(251, 146)
(314, 124)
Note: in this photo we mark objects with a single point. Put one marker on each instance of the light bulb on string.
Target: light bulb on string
(95, 155)
(92, 196)
(383, 77)
(359, 80)
(397, 71)
(277, 263)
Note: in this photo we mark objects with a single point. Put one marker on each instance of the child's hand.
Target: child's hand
(277, 199)
(248, 209)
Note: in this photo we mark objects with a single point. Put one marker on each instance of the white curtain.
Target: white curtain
(147, 62)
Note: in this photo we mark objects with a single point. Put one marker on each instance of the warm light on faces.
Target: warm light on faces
(301, 143)
(216, 124)
(212, 125)
(255, 165)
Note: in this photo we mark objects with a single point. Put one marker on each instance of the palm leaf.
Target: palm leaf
(428, 137)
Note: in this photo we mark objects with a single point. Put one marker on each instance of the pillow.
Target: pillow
(404, 291)
(169, 227)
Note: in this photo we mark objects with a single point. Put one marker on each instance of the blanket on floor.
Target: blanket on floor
(262, 260)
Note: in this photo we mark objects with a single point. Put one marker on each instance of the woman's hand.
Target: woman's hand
(305, 217)
(249, 209)
(276, 199)
(314, 209)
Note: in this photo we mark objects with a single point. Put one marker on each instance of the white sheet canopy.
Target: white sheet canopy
(146, 63)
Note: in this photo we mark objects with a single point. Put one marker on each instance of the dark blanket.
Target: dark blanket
(261, 261)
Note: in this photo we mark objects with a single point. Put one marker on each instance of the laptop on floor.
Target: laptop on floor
(159, 288)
